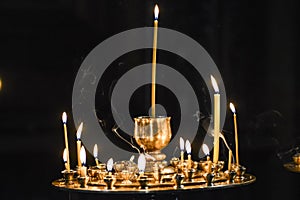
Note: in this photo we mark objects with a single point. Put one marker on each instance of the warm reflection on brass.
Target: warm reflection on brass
(153, 134)
(296, 159)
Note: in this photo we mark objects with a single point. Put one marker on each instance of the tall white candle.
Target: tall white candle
(216, 119)
(64, 120)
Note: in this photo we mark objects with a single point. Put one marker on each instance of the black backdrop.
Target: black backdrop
(255, 45)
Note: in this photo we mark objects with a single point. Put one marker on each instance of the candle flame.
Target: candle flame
(205, 149)
(232, 108)
(79, 130)
(141, 163)
(188, 147)
(156, 12)
(82, 155)
(95, 151)
(214, 84)
(110, 164)
(181, 143)
(64, 117)
(65, 157)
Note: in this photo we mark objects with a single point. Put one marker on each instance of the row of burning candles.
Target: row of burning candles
(184, 146)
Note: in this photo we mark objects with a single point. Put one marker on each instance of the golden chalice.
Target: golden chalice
(153, 134)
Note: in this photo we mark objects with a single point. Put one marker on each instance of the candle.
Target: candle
(83, 161)
(181, 145)
(205, 149)
(109, 165)
(229, 160)
(64, 120)
(235, 133)
(216, 119)
(95, 152)
(156, 12)
(141, 164)
(78, 135)
(65, 158)
(188, 151)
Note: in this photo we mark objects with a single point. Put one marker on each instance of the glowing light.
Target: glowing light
(95, 151)
(79, 130)
(83, 155)
(232, 108)
(181, 143)
(110, 164)
(65, 155)
(205, 149)
(214, 84)
(156, 12)
(64, 117)
(188, 147)
(141, 163)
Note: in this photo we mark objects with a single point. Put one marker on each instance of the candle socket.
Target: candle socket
(296, 159)
(217, 167)
(240, 171)
(69, 176)
(209, 178)
(143, 180)
(82, 181)
(93, 173)
(230, 175)
(189, 174)
(109, 182)
(178, 181)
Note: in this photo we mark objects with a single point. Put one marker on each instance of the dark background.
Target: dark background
(255, 45)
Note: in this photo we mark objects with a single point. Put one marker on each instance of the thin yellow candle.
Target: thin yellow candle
(181, 145)
(205, 149)
(229, 160)
(78, 135)
(216, 119)
(235, 133)
(64, 120)
(188, 151)
(95, 152)
(156, 12)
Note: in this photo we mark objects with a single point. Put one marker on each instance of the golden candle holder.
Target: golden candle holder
(209, 178)
(152, 134)
(82, 181)
(240, 171)
(109, 180)
(143, 180)
(294, 166)
(230, 175)
(178, 181)
(69, 176)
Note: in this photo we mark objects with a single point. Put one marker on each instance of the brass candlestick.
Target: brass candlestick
(109, 182)
(69, 176)
(143, 180)
(240, 171)
(178, 181)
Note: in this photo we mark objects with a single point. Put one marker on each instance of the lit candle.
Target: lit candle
(216, 119)
(64, 120)
(188, 151)
(181, 144)
(109, 165)
(205, 149)
(229, 160)
(141, 164)
(78, 135)
(83, 162)
(65, 158)
(232, 108)
(156, 12)
(95, 152)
